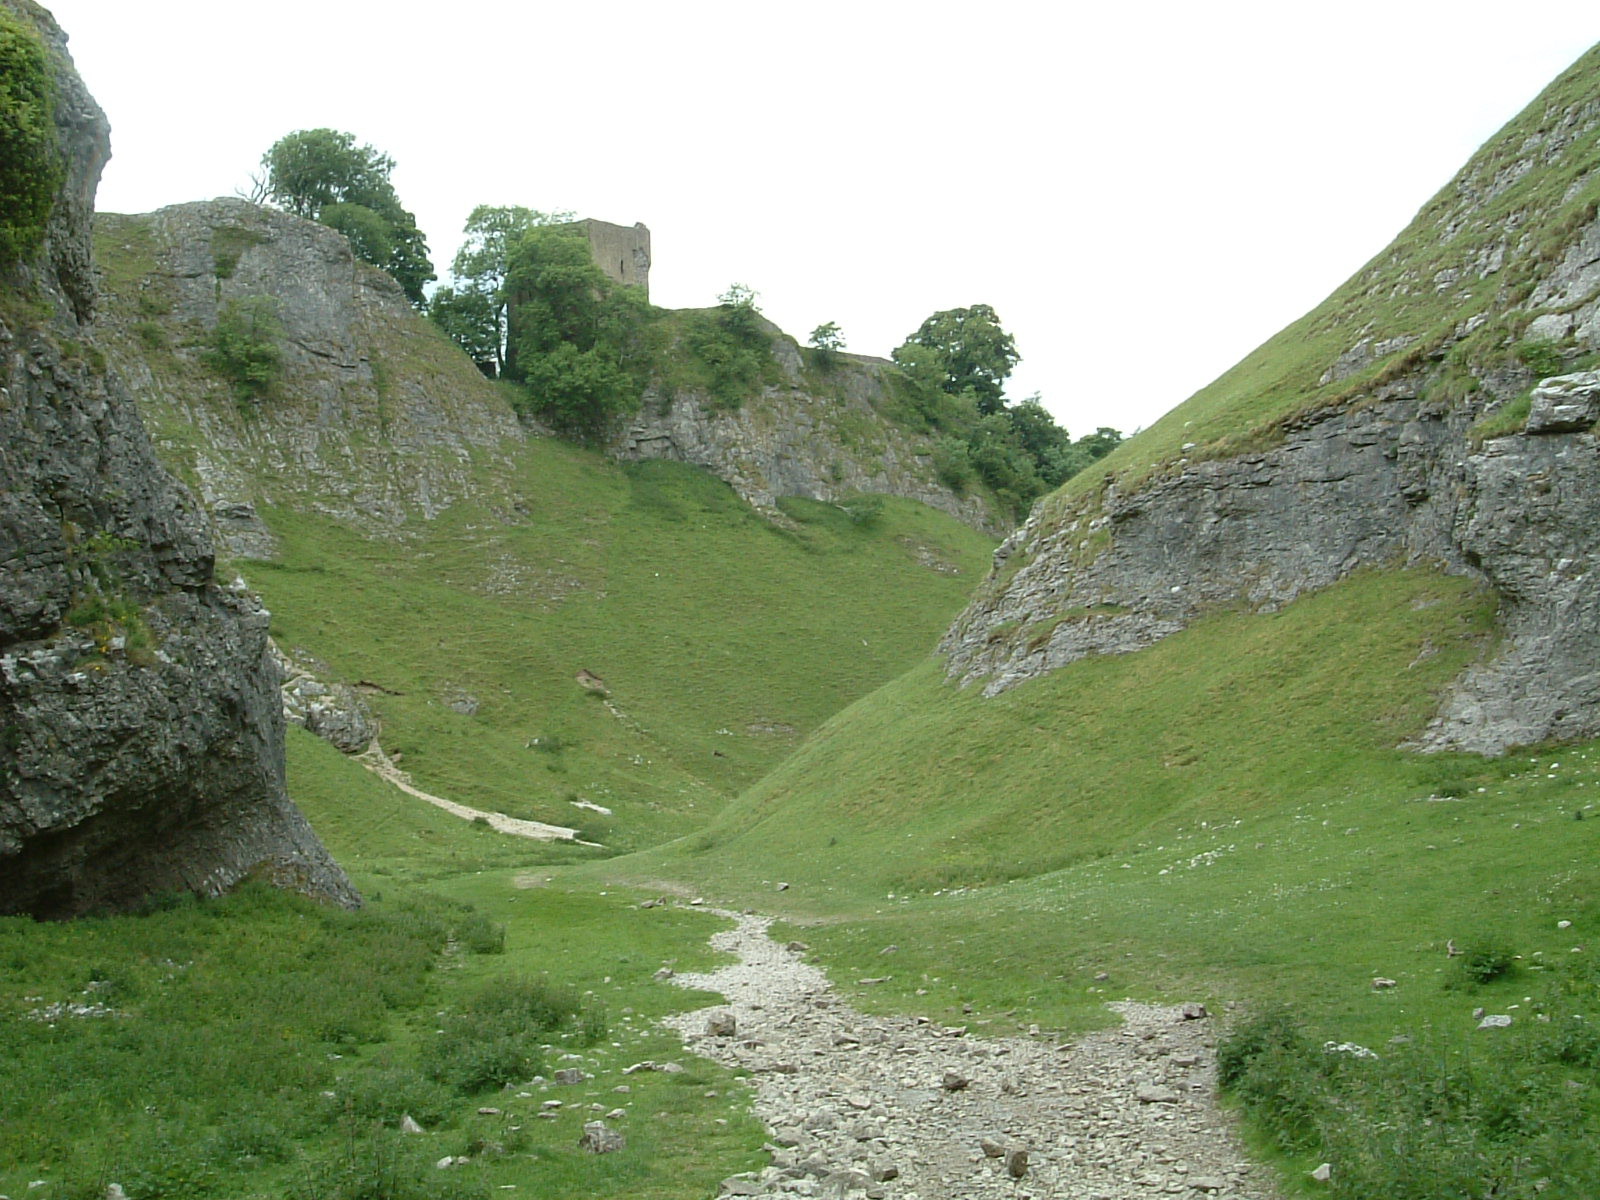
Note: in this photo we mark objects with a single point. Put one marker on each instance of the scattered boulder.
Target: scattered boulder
(722, 1023)
(408, 1124)
(600, 1138)
(1194, 1012)
(954, 1081)
(1155, 1093)
(1324, 1173)
(1380, 983)
(568, 1076)
(1495, 1021)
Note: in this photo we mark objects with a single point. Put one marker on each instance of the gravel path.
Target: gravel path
(381, 765)
(902, 1109)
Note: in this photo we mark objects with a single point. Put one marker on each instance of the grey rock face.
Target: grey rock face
(346, 431)
(141, 739)
(815, 435)
(1396, 481)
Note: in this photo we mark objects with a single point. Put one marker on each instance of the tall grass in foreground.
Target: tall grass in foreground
(227, 1047)
(1500, 1111)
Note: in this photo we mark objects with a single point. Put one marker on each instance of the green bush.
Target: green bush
(30, 166)
(480, 935)
(244, 348)
(1541, 356)
(1486, 961)
(1279, 1074)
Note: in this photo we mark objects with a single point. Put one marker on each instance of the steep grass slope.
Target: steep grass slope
(1221, 817)
(1457, 293)
(718, 639)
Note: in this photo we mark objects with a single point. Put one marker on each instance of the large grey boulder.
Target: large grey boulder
(141, 733)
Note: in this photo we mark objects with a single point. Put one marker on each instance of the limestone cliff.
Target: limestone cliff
(373, 418)
(141, 739)
(1382, 429)
(819, 432)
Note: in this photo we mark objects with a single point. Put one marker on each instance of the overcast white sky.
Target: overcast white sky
(1143, 191)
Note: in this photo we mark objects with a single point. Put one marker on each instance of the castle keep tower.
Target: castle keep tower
(621, 251)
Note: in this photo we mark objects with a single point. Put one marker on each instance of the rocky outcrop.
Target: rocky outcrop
(374, 419)
(1396, 482)
(1377, 431)
(141, 735)
(817, 434)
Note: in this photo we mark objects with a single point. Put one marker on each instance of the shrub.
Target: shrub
(480, 935)
(30, 166)
(244, 347)
(1279, 1074)
(1487, 961)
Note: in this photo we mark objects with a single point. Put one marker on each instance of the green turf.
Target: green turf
(720, 638)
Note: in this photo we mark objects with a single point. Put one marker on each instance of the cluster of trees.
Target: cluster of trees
(528, 303)
(324, 175)
(958, 362)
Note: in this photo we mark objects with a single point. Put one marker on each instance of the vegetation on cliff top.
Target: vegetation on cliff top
(324, 175)
(30, 161)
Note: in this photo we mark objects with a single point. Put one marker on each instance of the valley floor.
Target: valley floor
(905, 1108)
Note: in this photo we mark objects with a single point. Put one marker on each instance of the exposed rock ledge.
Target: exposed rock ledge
(1396, 481)
(141, 735)
(816, 435)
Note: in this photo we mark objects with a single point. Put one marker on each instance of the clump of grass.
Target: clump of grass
(496, 1036)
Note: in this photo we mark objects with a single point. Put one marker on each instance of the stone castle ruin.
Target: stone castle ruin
(621, 251)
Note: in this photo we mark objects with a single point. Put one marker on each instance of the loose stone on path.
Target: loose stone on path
(863, 1106)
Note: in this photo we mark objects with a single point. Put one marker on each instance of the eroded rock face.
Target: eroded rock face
(1394, 482)
(816, 435)
(141, 736)
(375, 420)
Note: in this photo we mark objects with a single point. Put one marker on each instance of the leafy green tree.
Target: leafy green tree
(30, 166)
(577, 337)
(962, 351)
(473, 310)
(473, 322)
(828, 336)
(827, 340)
(324, 175)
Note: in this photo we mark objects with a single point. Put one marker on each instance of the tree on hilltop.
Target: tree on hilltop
(473, 308)
(324, 175)
(962, 352)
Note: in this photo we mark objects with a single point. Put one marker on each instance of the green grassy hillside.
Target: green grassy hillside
(1223, 816)
(721, 639)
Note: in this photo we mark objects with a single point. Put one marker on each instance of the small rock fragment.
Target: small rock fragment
(1495, 1021)
(722, 1023)
(1016, 1162)
(1194, 1012)
(1323, 1173)
(953, 1082)
(1154, 1093)
(409, 1125)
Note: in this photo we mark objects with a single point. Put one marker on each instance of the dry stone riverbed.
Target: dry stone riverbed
(902, 1109)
